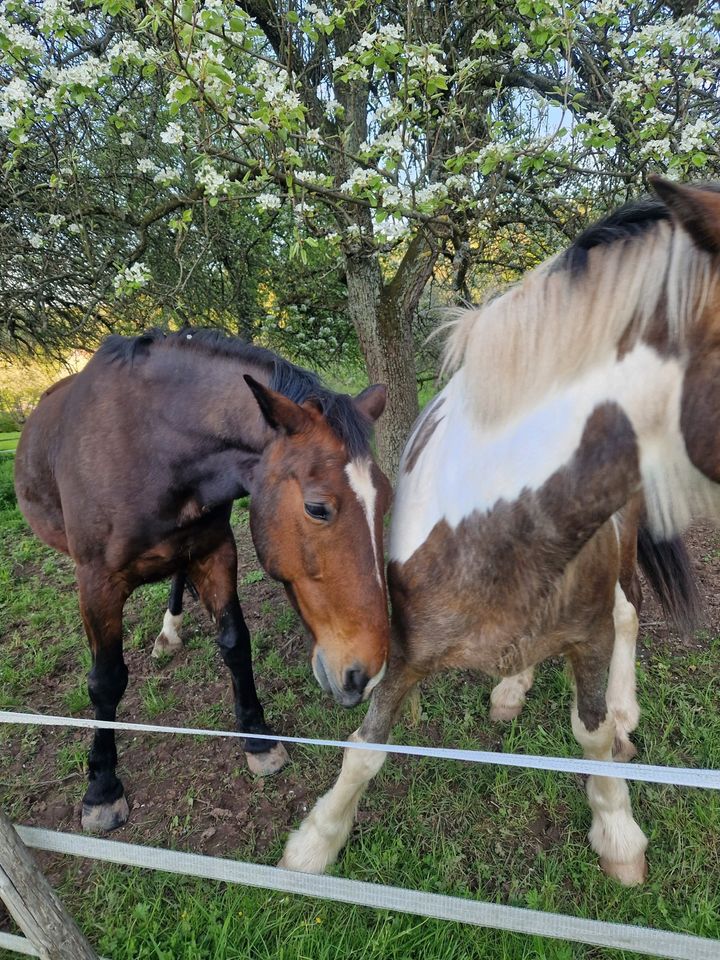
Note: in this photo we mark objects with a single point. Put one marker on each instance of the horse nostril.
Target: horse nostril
(355, 680)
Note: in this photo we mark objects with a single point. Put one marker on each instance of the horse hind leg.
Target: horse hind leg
(316, 843)
(104, 805)
(169, 640)
(621, 694)
(614, 835)
(508, 697)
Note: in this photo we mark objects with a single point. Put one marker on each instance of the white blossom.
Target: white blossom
(21, 38)
(74, 228)
(211, 179)
(136, 275)
(521, 52)
(694, 135)
(56, 220)
(268, 201)
(145, 165)
(126, 138)
(35, 240)
(319, 17)
(173, 134)
(332, 107)
(9, 119)
(126, 50)
(17, 91)
(167, 175)
(357, 180)
(660, 147)
(457, 181)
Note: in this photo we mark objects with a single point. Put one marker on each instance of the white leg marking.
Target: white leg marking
(621, 696)
(614, 835)
(168, 640)
(360, 479)
(508, 697)
(322, 834)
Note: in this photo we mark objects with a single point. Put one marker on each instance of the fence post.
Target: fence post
(33, 903)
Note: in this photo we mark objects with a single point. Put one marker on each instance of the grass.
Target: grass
(507, 836)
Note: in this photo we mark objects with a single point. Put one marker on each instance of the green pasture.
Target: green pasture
(8, 444)
(507, 836)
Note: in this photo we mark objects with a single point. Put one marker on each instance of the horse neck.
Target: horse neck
(203, 393)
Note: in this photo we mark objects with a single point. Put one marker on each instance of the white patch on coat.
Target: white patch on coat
(359, 474)
(168, 640)
(621, 694)
(467, 466)
(374, 681)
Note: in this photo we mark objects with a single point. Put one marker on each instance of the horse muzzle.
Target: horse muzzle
(354, 686)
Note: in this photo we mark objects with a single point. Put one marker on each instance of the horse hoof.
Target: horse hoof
(103, 817)
(306, 852)
(265, 764)
(624, 750)
(165, 646)
(630, 874)
(505, 712)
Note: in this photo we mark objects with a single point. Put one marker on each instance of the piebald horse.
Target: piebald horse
(131, 467)
(583, 405)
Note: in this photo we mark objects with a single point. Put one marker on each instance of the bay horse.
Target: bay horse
(583, 407)
(131, 467)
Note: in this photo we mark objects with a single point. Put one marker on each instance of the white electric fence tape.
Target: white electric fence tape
(674, 776)
(658, 943)
(18, 944)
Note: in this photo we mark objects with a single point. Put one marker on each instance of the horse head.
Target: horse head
(316, 517)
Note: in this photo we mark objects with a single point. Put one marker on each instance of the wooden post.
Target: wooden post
(33, 903)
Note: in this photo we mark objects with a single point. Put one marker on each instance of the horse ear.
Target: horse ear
(371, 402)
(695, 209)
(279, 411)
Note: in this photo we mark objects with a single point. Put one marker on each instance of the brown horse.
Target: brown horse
(131, 467)
(584, 405)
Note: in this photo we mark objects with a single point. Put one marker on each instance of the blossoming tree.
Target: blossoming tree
(393, 134)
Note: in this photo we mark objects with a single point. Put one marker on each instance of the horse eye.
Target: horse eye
(318, 511)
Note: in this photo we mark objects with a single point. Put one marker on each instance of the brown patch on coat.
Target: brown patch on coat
(508, 588)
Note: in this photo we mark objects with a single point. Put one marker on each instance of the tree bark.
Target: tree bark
(383, 317)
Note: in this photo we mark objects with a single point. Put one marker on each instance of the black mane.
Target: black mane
(629, 221)
(292, 381)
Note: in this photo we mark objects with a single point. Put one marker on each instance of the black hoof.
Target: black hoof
(104, 817)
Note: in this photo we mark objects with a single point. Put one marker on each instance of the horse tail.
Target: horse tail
(668, 569)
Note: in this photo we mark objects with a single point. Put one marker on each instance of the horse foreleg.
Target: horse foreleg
(169, 641)
(508, 697)
(322, 834)
(621, 695)
(101, 602)
(215, 578)
(614, 834)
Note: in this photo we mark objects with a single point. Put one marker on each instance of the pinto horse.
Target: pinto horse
(131, 467)
(583, 406)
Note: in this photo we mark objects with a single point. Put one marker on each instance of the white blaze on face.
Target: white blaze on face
(359, 474)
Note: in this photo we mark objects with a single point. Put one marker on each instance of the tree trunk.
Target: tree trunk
(383, 315)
